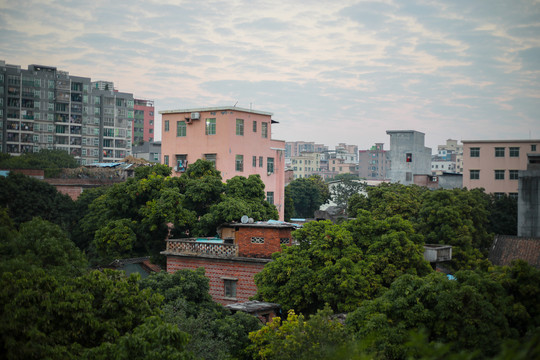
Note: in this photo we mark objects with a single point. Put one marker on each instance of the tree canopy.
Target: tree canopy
(52, 161)
(307, 195)
(341, 265)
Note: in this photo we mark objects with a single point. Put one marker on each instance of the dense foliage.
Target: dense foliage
(475, 312)
(307, 195)
(132, 218)
(341, 265)
(52, 161)
(26, 197)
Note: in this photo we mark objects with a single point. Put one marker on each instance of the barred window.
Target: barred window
(257, 240)
(284, 241)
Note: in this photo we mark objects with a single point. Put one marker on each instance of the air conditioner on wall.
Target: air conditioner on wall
(195, 116)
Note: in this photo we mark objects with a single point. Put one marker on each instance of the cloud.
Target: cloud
(340, 71)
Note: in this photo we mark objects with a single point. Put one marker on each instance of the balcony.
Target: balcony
(435, 253)
(202, 247)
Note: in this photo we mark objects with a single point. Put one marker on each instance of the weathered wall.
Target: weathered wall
(529, 203)
(272, 241)
(217, 269)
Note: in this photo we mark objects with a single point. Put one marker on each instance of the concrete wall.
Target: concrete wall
(217, 270)
(529, 203)
(403, 142)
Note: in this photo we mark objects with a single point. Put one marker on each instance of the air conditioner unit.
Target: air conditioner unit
(195, 116)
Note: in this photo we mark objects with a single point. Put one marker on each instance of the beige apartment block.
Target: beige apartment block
(306, 164)
(495, 164)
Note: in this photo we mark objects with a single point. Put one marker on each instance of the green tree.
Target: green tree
(42, 317)
(341, 265)
(215, 333)
(154, 339)
(115, 239)
(40, 244)
(475, 312)
(457, 217)
(308, 194)
(389, 199)
(142, 172)
(503, 213)
(298, 338)
(52, 161)
(242, 196)
(289, 205)
(27, 197)
(342, 191)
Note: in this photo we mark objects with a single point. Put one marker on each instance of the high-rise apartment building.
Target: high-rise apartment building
(46, 108)
(143, 122)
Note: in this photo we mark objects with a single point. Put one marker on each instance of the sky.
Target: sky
(330, 71)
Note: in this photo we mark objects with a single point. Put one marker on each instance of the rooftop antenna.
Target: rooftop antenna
(235, 103)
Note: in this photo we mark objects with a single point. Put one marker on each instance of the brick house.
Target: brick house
(232, 259)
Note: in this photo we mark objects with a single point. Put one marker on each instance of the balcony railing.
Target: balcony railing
(193, 247)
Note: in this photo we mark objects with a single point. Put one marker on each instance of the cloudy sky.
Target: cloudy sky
(331, 71)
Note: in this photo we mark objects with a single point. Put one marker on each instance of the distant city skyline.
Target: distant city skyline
(330, 72)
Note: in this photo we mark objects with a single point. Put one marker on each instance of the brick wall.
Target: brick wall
(216, 269)
(271, 236)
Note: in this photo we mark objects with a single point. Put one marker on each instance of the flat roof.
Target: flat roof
(217, 108)
(501, 141)
(403, 131)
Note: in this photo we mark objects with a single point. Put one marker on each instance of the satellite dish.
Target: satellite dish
(244, 219)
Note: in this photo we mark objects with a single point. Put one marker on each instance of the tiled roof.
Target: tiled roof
(507, 248)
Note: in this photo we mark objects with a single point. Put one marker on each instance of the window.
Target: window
(181, 128)
(514, 174)
(254, 126)
(230, 287)
(513, 195)
(533, 147)
(211, 157)
(408, 157)
(166, 160)
(514, 152)
(181, 163)
(474, 174)
(499, 174)
(240, 127)
(257, 240)
(239, 162)
(166, 125)
(270, 197)
(270, 165)
(260, 161)
(284, 241)
(264, 130)
(475, 152)
(499, 152)
(499, 195)
(211, 126)
(254, 161)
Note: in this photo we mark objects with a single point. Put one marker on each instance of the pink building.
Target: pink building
(494, 164)
(143, 121)
(238, 141)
